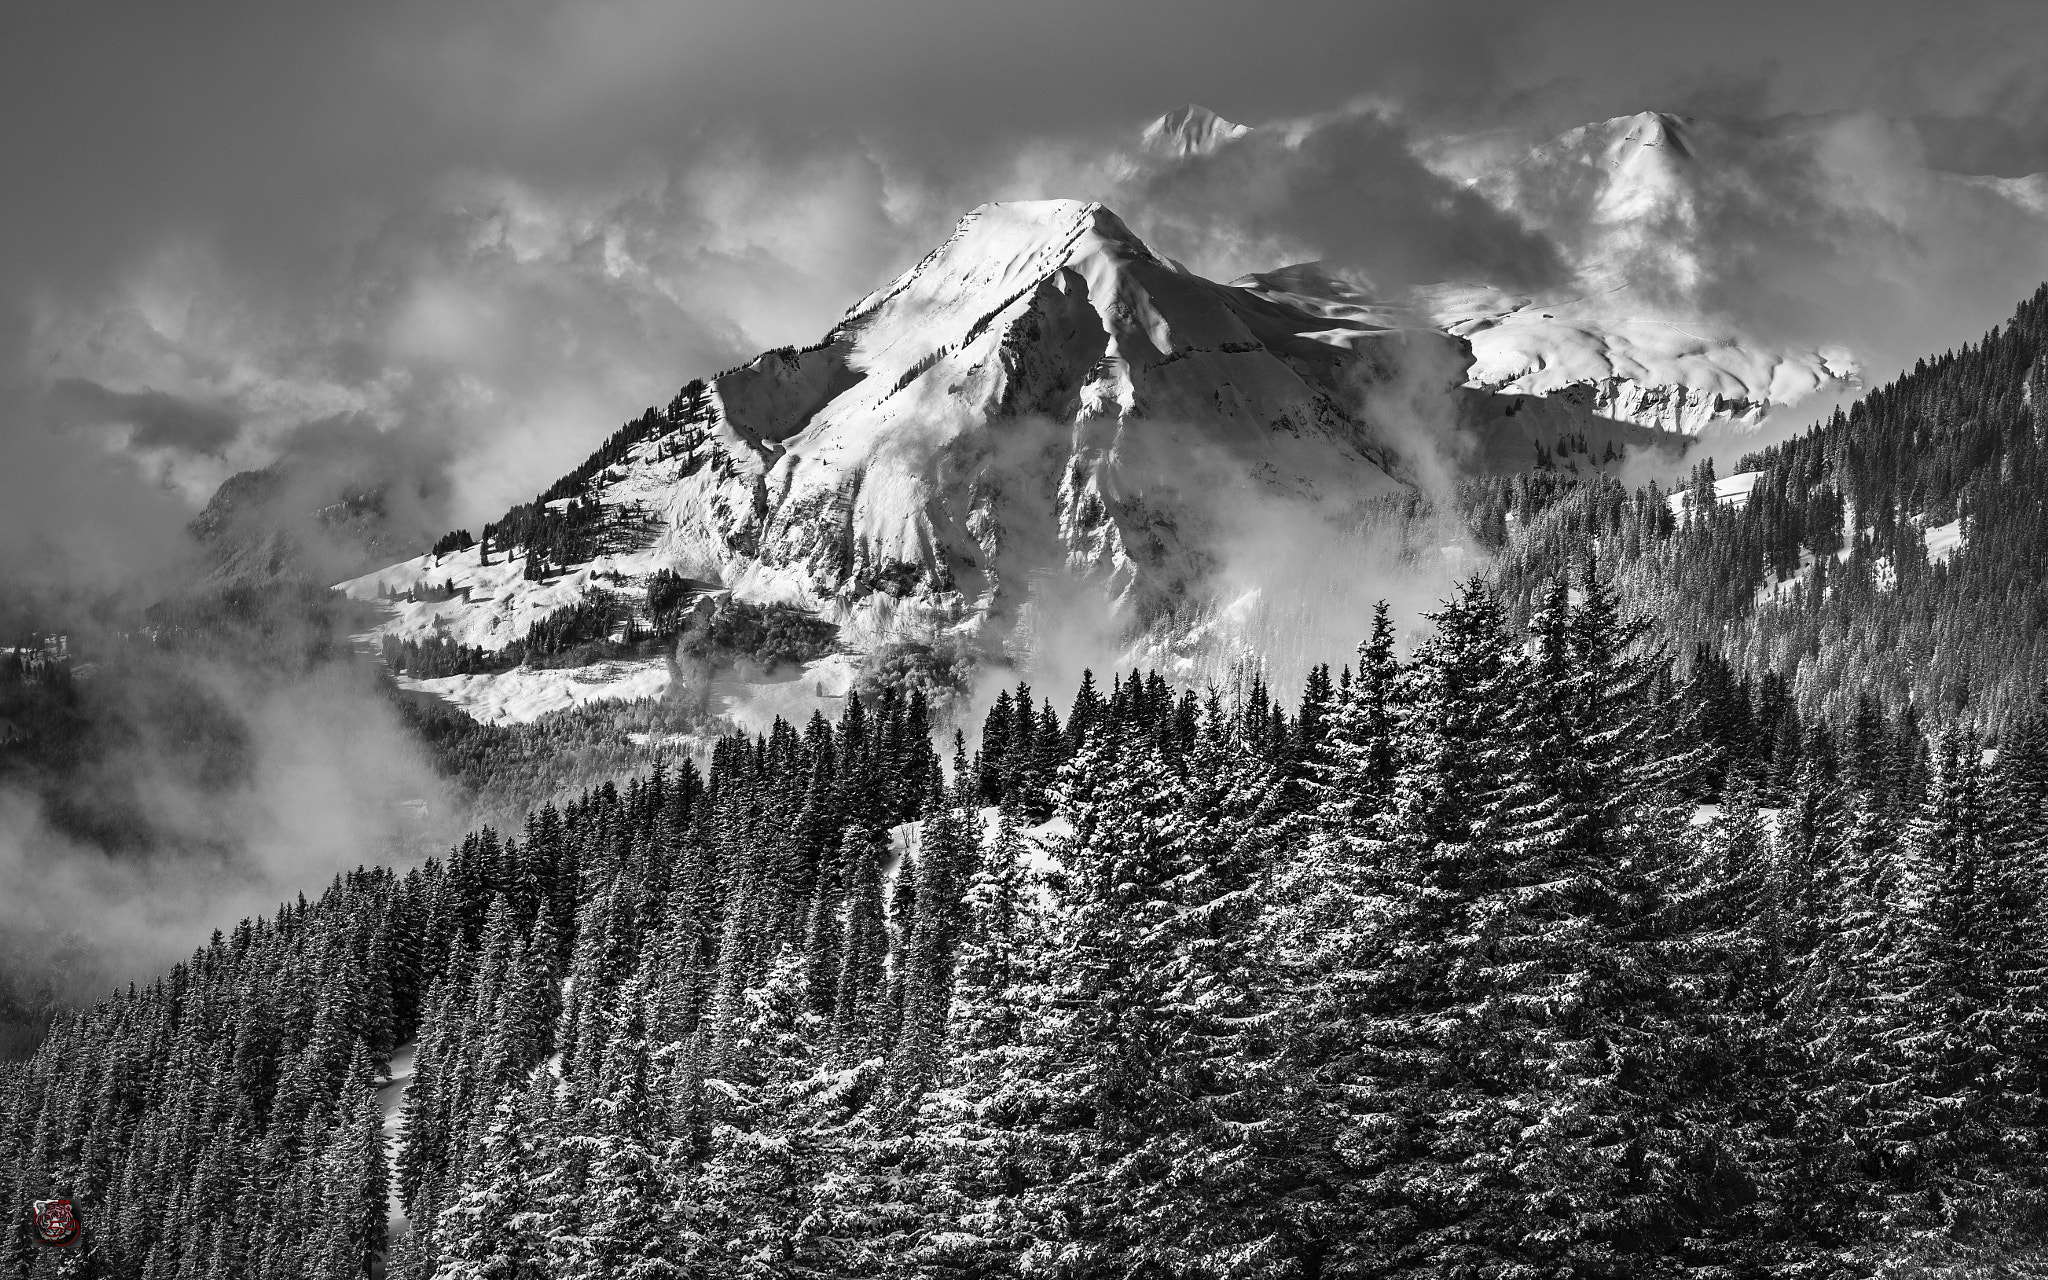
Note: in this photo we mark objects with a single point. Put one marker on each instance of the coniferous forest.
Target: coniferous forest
(1308, 641)
(1674, 906)
(1440, 973)
(1822, 578)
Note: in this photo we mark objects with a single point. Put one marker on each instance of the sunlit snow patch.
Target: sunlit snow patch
(525, 694)
(1942, 541)
(1732, 491)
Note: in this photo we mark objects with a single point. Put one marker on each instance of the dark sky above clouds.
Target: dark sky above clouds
(481, 234)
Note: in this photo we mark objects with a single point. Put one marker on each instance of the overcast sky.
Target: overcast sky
(465, 240)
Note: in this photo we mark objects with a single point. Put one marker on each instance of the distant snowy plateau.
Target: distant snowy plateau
(1044, 408)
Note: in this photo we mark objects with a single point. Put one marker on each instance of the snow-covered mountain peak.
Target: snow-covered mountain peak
(1631, 173)
(1042, 399)
(1190, 131)
(995, 252)
(1638, 205)
(1623, 140)
(1653, 129)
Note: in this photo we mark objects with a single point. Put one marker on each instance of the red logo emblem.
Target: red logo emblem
(56, 1222)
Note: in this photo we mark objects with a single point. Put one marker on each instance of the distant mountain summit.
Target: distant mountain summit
(1654, 211)
(1030, 396)
(1045, 406)
(1042, 406)
(1639, 201)
(1638, 209)
(1190, 131)
(1710, 258)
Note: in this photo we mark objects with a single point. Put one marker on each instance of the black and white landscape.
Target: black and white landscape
(785, 640)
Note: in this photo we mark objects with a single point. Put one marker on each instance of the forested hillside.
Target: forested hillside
(1662, 912)
(1823, 576)
(1437, 974)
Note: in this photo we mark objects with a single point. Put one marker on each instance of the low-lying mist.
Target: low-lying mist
(159, 780)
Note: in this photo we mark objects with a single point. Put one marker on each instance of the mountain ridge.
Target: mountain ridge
(1190, 130)
(1041, 392)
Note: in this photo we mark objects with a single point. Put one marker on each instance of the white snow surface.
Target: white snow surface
(1609, 351)
(1943, 540)
(525, 694)
(493, 603)
(746, 699)
(1673, 375)
(1732, 491)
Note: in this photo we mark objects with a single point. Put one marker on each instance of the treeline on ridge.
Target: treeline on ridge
(604, 624)
(1822, 577)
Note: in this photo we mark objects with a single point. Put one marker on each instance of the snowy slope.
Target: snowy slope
(1943, 541)
(1633, 365)
(1595, 353)
(522, 695)
(1731, 491)
(1042, 395)
(1190, 131)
